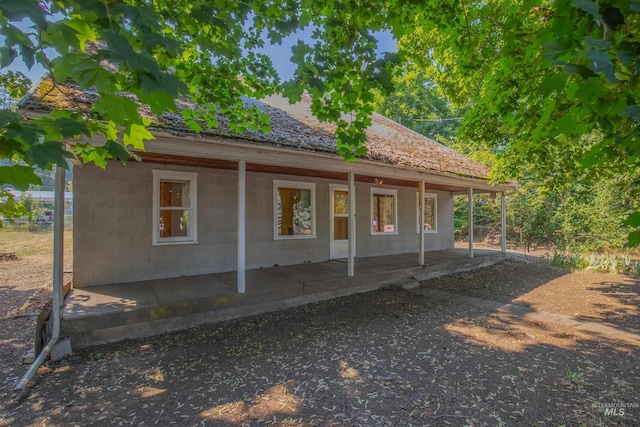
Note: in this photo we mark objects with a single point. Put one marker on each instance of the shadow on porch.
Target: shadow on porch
(115, 312)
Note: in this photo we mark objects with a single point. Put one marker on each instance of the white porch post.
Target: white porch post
(58, 277)
(242, 190)
(470, 208)
(352, 225)
(503, 223)
(421, 224)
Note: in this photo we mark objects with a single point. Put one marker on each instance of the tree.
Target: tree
(417, 103)
(164, 49)
(13, 85)
(551, 83)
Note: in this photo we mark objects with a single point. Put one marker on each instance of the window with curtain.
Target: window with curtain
(174, 204)
(383, 211)
(430, 213)
(294, 215)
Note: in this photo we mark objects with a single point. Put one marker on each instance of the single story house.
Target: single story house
(217, 201)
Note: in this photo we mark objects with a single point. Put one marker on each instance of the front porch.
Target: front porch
(115, 312)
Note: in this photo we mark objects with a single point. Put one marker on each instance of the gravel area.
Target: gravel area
(390, 357)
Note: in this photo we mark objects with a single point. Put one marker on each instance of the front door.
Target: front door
(339, 222)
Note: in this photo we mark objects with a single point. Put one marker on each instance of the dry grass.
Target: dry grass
(25, 285)
(25, 243)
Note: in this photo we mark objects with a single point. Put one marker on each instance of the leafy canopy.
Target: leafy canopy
(554, 86)
(161, 50)
(553, 83)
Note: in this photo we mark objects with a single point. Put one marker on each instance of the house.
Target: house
(218, 202)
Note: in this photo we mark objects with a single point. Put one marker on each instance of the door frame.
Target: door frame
(332, 188)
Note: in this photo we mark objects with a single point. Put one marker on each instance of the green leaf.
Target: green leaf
(89, 153)
(17, 10)
(20, 177)
(84, 32)
(292, 90)
(46, 153)
(601, 63)
(117, 151)
(634, 238)
(585, 72)
(565, 124)
(555, 49)
(633, 220)
(116, 108)
(8, 117)
(158, 101)
(7, 55)
(70, 128)
(632, 112)
(136, 135)
(61, 35)
(88, 73)
(588, 6)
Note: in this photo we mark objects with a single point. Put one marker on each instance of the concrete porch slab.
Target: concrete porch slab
(115, 312)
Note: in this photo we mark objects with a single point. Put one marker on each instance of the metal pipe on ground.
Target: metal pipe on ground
(58, 236)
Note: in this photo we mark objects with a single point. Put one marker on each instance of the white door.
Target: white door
(339, 221)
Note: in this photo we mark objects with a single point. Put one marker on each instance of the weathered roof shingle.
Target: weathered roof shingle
(292, 126)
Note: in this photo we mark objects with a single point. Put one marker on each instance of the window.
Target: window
(174, 207)
(430, 213)
(384, 210)
(294, 210)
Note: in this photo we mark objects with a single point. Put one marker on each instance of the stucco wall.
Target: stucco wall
(113, 225)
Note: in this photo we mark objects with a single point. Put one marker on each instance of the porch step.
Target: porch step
(150, 314)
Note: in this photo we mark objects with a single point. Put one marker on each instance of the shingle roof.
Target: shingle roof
(292, 126)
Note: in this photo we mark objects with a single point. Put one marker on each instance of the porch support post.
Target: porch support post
(242, 190)
(421, 224)
(58, 277)
(470, 209)
(352, 226)
(503, 222)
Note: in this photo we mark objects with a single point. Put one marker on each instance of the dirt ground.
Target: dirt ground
(390, 357)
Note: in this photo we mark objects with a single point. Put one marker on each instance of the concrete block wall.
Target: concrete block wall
(406, 239)
(113, 225)
(265, 251)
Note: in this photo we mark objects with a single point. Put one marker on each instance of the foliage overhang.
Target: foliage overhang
(554, 83)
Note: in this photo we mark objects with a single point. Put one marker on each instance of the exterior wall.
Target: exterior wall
(407, 239)
(113, 225)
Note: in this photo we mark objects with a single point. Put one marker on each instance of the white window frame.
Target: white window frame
(303, 186)
(385, 191)
(435, 212)
(192, 178)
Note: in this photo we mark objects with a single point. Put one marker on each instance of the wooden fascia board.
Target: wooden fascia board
(252, 153)
(224, 149)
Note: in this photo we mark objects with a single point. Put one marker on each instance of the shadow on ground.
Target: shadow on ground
(389, 357)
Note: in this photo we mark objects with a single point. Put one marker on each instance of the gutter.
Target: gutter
(57, 293)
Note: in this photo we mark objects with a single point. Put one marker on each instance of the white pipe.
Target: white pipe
(503, 222)
(470, 207)
(242, 190)
(352, 226)
(58, 263)
(421, 222)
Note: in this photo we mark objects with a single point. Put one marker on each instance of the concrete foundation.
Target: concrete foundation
(110, 313)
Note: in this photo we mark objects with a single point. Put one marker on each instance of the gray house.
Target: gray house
(219, 202)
